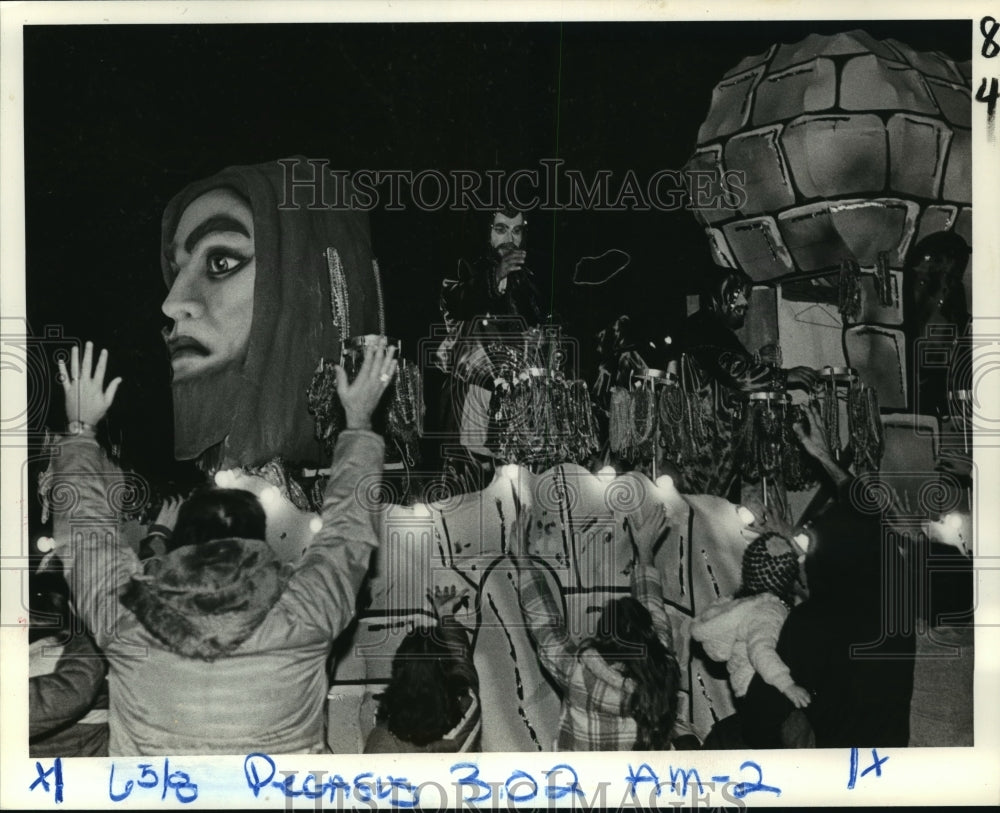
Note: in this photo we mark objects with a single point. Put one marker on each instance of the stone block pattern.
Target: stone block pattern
(850, 148)
(829, 119)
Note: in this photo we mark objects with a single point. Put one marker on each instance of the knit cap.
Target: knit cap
(764, 572)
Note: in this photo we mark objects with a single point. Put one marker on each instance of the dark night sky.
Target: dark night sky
(118, 118)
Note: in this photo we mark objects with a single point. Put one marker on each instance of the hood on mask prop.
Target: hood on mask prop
(316, 283)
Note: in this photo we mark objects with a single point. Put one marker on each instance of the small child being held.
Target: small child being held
(743, 630)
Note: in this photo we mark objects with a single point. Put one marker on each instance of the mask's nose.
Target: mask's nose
(183, 300)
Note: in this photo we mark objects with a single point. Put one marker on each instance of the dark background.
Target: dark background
(118, 118)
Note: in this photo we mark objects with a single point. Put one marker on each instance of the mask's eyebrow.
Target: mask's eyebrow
(214, 224)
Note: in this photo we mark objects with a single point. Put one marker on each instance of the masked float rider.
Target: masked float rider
(492, 299)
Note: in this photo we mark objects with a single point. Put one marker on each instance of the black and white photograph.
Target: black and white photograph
(476, 386)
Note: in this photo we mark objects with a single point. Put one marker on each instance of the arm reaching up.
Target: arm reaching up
(539, 606)
(647, 587)
(812, 436)
(320, 598)
(85, 486)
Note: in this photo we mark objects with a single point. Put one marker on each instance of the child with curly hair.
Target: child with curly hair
(431, 704)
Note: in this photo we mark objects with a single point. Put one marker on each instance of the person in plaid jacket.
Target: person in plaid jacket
(619, 688)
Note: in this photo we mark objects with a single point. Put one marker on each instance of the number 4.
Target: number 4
(989, 98)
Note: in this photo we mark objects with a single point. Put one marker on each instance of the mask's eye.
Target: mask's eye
(220, 264)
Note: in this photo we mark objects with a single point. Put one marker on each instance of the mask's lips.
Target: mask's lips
(178, 346)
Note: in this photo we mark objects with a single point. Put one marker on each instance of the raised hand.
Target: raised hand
(168, 512)
(767, 520)
(511, 261)
(770, 354)
(803, 378)
(812, 433)
(445, 601)
(953, 461)
(360, 397)
(87, 401)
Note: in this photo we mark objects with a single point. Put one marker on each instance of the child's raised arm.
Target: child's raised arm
(539, 607)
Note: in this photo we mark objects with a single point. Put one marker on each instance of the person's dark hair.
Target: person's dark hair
(507, 210)
(48, 601)
(615, 339)
(949, 255)
(626, 636)
(431, 675)
(218, 513)
(623, 347)
(945, 245)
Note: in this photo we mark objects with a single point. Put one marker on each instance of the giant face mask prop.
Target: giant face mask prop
(261, 288)
(210, 302)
